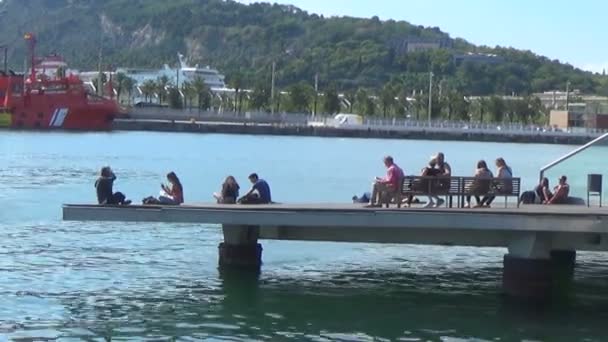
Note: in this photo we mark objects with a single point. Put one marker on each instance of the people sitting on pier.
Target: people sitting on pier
(427, 185)
(172, 194)
(503, 185)
(229, 193)
(386, 187)
(444, 168)
(104, 186)
(259, 193)
(560, 192)
(435, 169)
(443, 172)
(481, 184)
(543, 192)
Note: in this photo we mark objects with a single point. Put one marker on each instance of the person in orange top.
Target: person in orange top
(174, 192)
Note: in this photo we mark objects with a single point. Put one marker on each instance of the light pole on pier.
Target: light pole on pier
(430, 95)
(314, 112)
(274, 65)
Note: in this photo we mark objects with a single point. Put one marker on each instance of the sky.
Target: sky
(574, 32)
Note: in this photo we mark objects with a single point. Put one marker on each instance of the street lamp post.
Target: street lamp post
(314, 112)
(274, 65)
(430, 96)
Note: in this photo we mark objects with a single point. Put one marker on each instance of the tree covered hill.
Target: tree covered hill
(244, 40)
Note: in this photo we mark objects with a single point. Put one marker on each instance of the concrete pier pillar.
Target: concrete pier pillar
(526, 277)
(532, 269)
(240, 248)
(563, 264)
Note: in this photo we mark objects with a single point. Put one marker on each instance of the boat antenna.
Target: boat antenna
(100, 75)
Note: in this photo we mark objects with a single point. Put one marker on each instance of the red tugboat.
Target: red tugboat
(49, 102)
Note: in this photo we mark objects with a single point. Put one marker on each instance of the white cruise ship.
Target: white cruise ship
(177, 76)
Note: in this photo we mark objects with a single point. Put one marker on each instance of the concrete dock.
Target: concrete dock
(277, 129)
(541, 240)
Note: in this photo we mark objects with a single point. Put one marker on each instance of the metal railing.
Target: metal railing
(571, 154)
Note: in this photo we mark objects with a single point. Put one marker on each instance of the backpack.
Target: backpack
(528, 197)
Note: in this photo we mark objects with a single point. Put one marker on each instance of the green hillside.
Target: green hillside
(243, 41)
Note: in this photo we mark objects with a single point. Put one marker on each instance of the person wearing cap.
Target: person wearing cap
(560, 192)
(389, 184)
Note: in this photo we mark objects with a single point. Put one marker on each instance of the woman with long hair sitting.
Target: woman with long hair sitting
(172, 194)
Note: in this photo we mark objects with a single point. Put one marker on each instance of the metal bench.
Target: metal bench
(493, 187)
(425, 186)
(458, 187)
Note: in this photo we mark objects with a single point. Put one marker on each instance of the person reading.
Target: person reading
(229, 193)
(390, 184)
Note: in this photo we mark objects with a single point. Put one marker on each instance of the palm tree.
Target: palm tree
(202, 92)
(189, 93)
(161, 87)
(236, 82)
(123, 83)
(128, 84)
(148, 89)
(387, 98)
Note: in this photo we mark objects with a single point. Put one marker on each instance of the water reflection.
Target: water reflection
(345, 306)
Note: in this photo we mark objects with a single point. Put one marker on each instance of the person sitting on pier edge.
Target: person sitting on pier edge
(481, 185)
(104, 185)
(388, 185)
(505, 185)
(560, 192)
(170, 195)
(259, 193)
(229, 193)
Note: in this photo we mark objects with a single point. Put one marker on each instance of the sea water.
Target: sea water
(124, 281)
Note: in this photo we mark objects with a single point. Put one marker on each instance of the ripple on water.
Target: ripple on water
(101, 281)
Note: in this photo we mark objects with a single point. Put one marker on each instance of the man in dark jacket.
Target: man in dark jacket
(105, 194)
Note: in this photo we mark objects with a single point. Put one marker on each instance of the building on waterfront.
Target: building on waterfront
(559, 99)
(580, 115)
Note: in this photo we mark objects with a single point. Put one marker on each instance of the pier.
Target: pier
(363, 132)
(541, 240)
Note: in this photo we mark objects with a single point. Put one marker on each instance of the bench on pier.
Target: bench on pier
(459, 187)
(491, 187)
(424, 185)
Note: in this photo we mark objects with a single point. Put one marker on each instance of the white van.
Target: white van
(348, 120)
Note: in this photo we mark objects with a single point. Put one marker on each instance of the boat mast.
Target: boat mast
(32, 45)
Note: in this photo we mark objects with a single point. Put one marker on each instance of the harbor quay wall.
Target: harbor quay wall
(257, 128)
